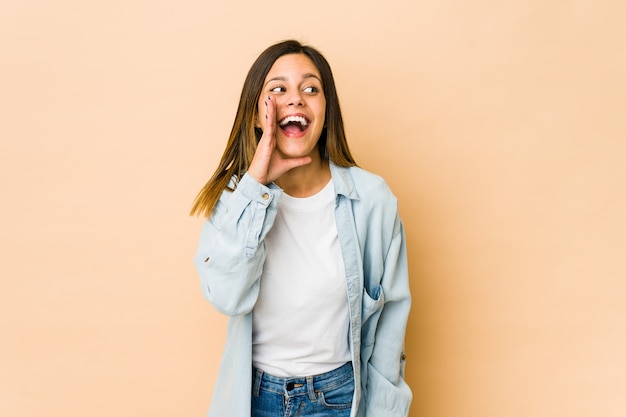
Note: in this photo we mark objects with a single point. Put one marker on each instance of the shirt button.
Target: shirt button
(266, 196)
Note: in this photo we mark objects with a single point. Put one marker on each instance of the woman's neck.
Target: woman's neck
(305, 180)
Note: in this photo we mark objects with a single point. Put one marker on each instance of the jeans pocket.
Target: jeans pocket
(338, 398)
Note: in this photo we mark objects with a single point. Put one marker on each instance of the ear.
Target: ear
(256, 121)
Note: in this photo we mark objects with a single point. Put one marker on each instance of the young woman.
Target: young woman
(306, 254)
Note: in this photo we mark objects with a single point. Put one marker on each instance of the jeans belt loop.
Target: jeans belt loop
(258, 377)
(310, 388)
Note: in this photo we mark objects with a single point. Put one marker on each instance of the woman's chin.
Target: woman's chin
(294, 151)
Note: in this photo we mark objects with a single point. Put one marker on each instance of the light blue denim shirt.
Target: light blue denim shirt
(230, 261)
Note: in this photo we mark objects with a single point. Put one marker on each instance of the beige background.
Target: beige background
(500, 126)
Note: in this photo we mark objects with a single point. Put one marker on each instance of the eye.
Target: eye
(311, 90)
(278, 89)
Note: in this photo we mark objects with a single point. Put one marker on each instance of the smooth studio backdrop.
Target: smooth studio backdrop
(499, 125)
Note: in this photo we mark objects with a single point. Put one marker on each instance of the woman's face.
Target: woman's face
(295, 87)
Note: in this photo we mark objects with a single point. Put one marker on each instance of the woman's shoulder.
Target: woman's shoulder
(366, 180)
(367, 186)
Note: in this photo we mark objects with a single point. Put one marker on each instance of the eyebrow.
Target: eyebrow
(304, 77)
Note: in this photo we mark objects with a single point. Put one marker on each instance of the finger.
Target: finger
(270, 117)
(291, 163)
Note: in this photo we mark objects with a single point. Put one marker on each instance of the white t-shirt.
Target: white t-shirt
(301, 318)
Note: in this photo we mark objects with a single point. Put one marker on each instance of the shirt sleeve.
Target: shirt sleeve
(231, 252)
(388, 394)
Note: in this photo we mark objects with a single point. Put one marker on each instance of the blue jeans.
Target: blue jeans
(323, 395)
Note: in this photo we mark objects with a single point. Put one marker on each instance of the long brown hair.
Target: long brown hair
(244, 135)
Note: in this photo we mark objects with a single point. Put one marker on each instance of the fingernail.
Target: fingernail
(266, 104)
(266, 116)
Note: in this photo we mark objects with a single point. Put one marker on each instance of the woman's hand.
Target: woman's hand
(267, 164)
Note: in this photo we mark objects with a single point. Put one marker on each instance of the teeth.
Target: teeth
(297, 119)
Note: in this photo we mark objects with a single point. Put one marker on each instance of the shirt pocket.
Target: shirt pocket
(371, 309)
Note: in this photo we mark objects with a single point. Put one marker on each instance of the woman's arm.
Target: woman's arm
(387, 392)
(231, 251)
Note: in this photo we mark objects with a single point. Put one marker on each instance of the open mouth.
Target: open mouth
(294, 124)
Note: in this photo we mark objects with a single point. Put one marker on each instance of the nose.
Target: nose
(295, 99)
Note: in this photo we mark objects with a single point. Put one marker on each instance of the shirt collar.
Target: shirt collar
(343, 182)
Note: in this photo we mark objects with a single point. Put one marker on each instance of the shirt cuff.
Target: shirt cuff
(255, 191)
